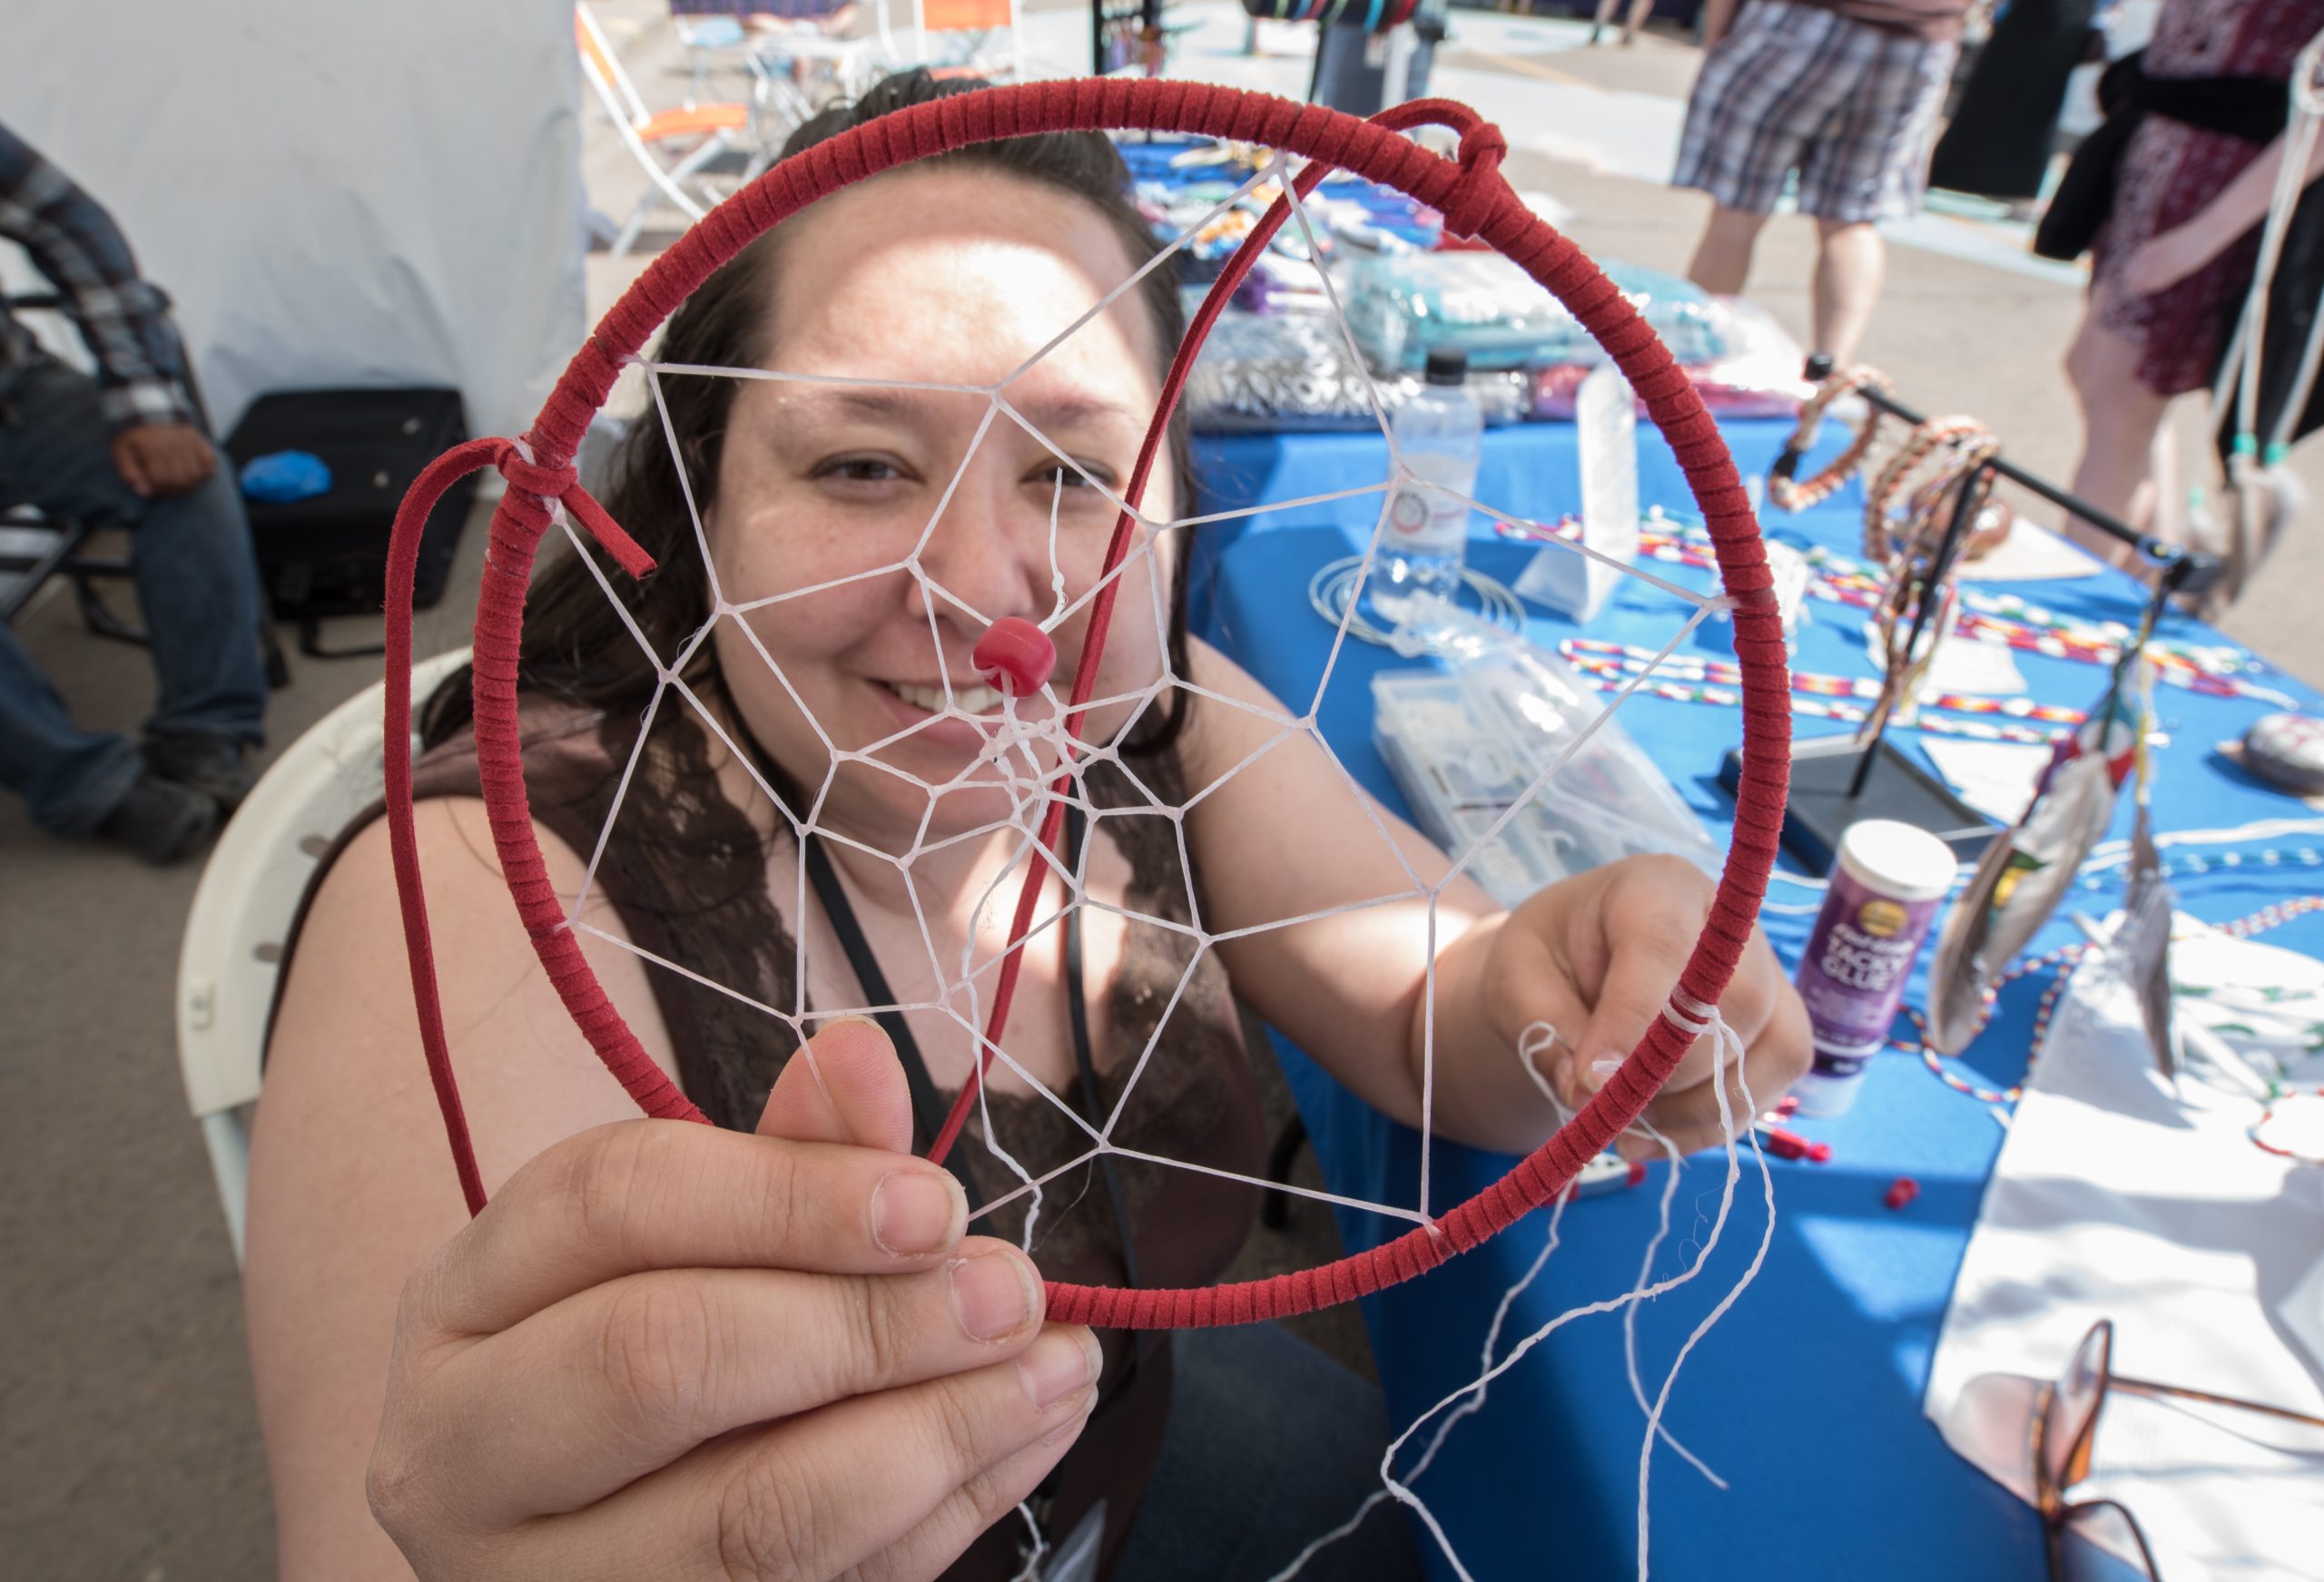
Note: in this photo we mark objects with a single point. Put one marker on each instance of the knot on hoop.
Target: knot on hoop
(517, 464)
(561, 486)
(1479, 193)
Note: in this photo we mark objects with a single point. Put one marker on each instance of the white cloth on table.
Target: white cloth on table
(2116, 1198)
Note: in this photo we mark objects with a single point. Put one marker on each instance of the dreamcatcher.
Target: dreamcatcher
(2027, 870)
(1034, 722)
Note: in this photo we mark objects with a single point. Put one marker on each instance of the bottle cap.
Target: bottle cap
(1901, 862)
(1826, 1098)
(1447, 365)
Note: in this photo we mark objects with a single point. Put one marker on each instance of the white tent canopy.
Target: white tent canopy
(333, 194)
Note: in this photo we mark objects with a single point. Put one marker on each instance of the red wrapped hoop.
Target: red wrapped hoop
(1476, 202)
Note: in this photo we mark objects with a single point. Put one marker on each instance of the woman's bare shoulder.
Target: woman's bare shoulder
(352, 1183)
(350, 986)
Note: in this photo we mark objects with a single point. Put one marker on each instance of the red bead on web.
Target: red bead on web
(1015, 656)
(1476, 202)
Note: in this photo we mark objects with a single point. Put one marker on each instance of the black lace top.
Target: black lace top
(688, 871)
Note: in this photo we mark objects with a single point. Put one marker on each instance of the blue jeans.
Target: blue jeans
(1271, 1445)
(197, 587)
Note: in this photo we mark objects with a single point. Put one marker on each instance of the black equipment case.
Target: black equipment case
(328, 555)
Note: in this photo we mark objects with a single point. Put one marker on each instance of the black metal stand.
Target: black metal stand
(1834, 782)
(1834, 785)
(2201, 570)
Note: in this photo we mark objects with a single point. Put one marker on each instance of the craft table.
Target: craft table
(1805, 1398)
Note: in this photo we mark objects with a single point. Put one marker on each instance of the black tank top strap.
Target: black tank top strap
(927, 1104)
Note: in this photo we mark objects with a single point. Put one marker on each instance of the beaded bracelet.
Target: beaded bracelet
(1970, 447)
(1791, 495)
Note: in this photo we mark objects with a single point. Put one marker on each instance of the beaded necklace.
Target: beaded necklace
(1820, 697)
(1798, 497)
(2066, 957)
(2217, 670)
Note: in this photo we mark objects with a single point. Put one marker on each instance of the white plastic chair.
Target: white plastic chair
(243, 909)
(796, 61)
(674, 148)
(976, 22)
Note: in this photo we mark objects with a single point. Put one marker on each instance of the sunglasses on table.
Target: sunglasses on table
(2066, 1423)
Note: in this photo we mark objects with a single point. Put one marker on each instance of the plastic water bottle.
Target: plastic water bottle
(1440, 434)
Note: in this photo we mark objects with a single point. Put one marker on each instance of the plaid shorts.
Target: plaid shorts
(1852, 107)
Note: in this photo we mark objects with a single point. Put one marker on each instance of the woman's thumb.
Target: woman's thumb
(845, 1084)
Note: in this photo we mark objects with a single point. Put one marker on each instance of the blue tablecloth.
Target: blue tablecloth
(1806, 1397)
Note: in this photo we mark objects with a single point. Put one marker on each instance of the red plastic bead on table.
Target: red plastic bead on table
(1014, 655)
(1785, 1144)
(1901, 1192)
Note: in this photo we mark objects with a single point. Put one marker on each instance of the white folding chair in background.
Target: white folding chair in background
(979, 37)
(243, 909)
(799, 53)
(677, 148)
(777, 100)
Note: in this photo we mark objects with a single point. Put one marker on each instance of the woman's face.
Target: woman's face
(832, 492)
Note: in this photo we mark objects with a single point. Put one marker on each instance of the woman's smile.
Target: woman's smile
(878, 509)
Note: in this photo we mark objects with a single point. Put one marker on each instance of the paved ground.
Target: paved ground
(130, 1447)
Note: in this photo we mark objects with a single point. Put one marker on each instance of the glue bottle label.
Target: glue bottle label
(1854, 971)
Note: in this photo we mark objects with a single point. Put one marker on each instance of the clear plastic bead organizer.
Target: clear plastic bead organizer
(1466, 745)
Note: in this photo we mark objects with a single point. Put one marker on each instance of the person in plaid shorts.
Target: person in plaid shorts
(1843, 93)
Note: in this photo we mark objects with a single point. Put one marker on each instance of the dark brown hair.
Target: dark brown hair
(575, 648)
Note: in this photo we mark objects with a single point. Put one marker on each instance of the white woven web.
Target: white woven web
(1025, 742)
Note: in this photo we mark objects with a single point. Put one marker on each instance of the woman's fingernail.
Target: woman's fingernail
(992, 1295)
(1601, 1070)
(916, 1211)
(1075, 1419)
(1058, 1365)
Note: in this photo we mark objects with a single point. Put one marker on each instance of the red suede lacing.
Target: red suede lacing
(1476, 202)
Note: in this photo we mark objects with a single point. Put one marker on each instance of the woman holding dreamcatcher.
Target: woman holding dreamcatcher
(769, 1348)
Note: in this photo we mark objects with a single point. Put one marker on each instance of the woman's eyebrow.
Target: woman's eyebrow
(1068, 409)
(1057, 411)
(866, 401)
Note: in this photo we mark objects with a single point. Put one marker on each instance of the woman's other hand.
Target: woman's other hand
(669, 1351)
(1596, 956)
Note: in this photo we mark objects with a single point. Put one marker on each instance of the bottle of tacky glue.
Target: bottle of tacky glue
(1886, 889)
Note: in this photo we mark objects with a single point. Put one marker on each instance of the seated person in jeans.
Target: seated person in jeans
(126, 448)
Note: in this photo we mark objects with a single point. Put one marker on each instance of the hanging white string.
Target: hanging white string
(1471, 1397)
(1704, 1018)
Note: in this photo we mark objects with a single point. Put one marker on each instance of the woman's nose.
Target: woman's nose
(987, 560)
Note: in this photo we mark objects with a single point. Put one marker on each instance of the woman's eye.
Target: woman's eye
(1084, 476)
(860, 470)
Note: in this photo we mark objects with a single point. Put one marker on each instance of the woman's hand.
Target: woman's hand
(1596, 955)
(2168, 257)
(671, 1352)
